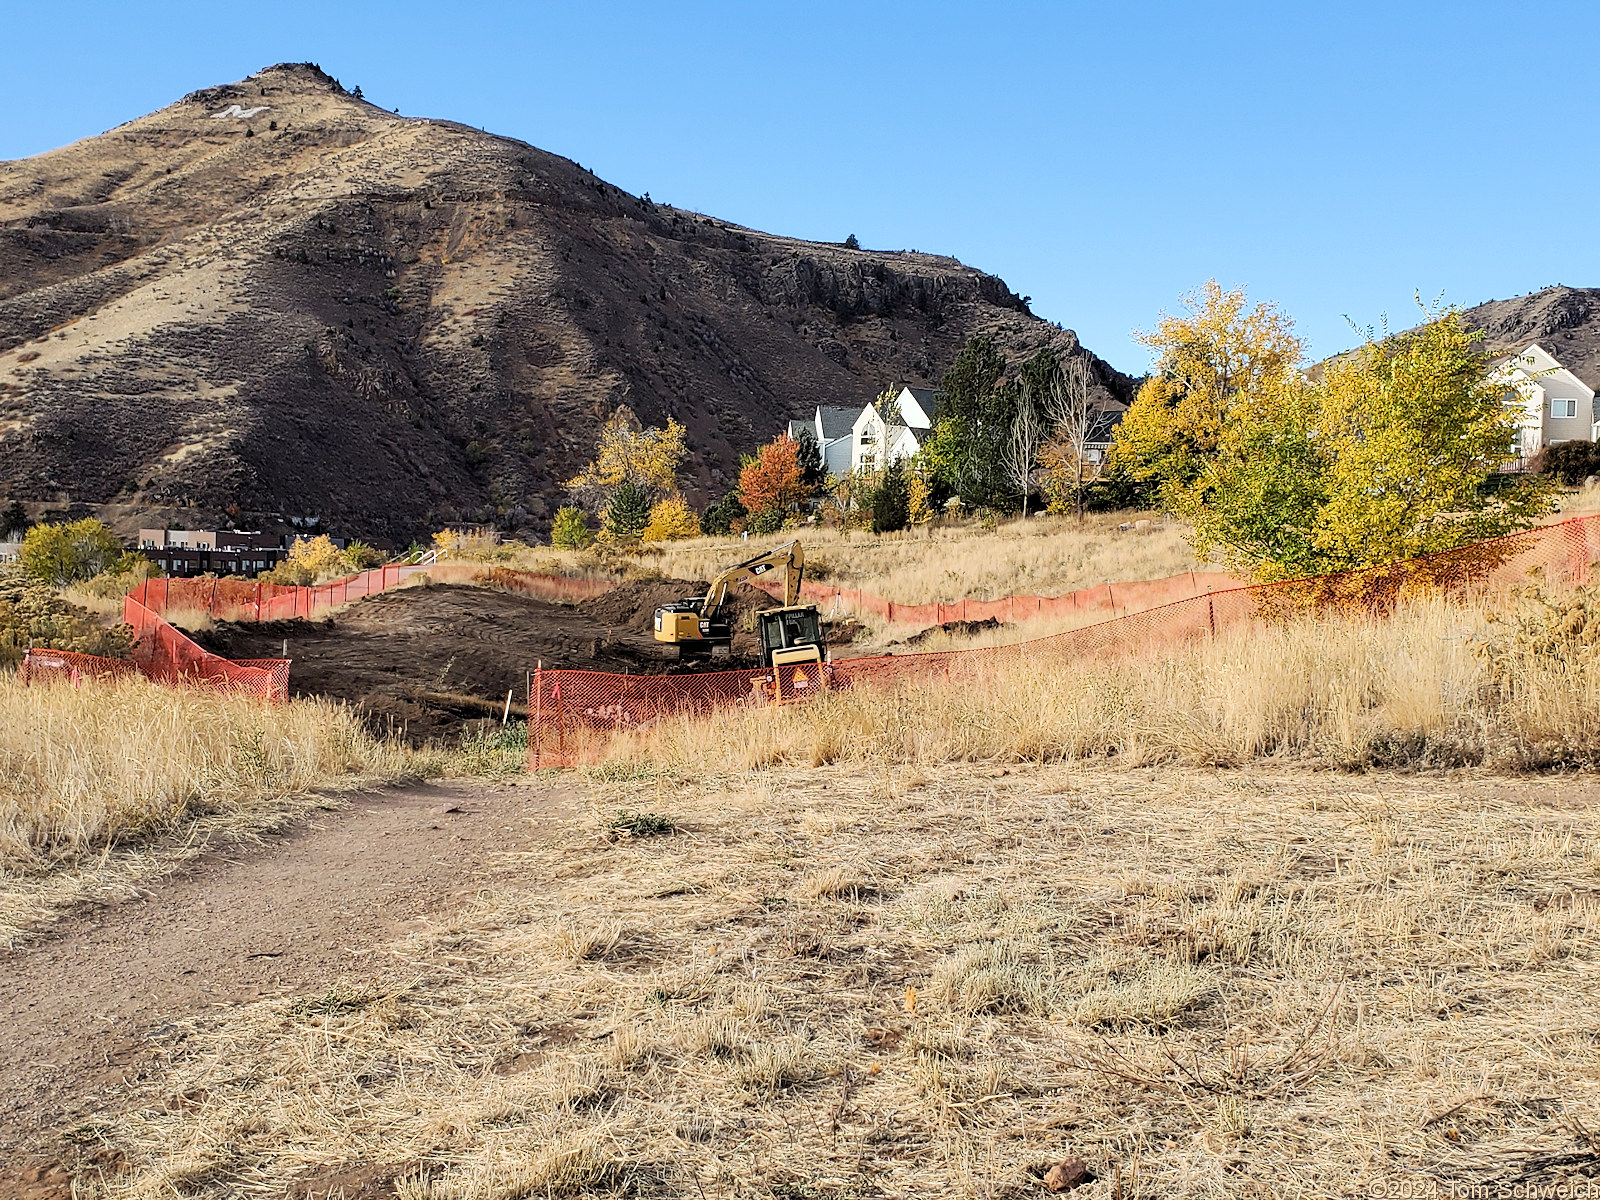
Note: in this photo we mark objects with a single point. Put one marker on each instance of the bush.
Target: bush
(33, 614)
(571, 529)
(1570, 462)
(313, 560)
(670, 520)
(361, 557)
(719, 518)
(63, 554)
(768, 520)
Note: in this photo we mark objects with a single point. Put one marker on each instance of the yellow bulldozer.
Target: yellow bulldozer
(699, 626)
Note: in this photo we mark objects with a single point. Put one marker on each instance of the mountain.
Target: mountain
(274, 299)
(1564, 320)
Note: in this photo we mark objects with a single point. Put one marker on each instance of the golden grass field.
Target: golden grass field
(1177, 917)
(836, 982)
(1045, 555)
(122, 779)
(1437, 684)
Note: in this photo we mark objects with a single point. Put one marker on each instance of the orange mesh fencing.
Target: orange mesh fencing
(67, 666)
(161, 654)
(571, 714)
(256, 600)
(166, 655)
(1106, 597)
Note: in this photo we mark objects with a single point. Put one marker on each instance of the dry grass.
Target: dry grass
(1412, 690)
(838, 984)
(1046, 556)
(115, 781)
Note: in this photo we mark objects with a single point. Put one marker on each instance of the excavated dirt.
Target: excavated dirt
(426, 662)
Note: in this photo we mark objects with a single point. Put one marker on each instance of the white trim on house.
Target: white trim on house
(1553, 405)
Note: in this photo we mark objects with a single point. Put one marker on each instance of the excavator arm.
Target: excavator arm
(787, 556)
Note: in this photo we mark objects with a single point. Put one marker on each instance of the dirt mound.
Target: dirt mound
(952, 629)
(426, 661)
(632, 606)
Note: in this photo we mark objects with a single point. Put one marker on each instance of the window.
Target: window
(1563, 408)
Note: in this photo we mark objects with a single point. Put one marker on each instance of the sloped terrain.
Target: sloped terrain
(274, 298)
(1564, 320)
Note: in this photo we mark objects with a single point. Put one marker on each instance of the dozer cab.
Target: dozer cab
(699, 626)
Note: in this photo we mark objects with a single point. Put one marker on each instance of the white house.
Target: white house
(1554, 405)
(860, 439)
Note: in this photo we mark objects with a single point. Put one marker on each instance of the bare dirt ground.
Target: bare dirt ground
(415, 659)
(424, 662)
(92, 1011)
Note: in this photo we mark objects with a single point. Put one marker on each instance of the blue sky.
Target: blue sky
(1104, 158)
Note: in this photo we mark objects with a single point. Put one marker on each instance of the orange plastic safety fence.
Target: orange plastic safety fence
(572, 713)
(1106, 597)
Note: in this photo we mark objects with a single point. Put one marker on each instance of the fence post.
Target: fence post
(536, 730)
(1211, 614)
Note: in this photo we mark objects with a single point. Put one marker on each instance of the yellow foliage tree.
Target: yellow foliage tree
(627, 452)
(670, 520)
(1389, 453)
(311, 560)
(1210, 362)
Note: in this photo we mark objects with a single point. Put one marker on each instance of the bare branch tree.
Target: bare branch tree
(1022, 445)
(1072, 417)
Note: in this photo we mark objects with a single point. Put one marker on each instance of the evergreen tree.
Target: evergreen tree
(719, 518)
(13, 521)
(812, 473)
(628, 513)
(891, 501)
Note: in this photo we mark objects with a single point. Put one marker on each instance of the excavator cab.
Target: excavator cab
(790, 635)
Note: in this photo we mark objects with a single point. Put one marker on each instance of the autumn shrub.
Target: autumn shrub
(33, 614)
(671, 520)
(570, 529)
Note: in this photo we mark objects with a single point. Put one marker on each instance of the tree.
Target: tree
(1065, 458)
(13, 521)
(627, 514)
(1570, 462)
(891, 500)
(626, 451)
(570, 529)
(850, 243)
(1390, 453)
(1209, 362)
(359, 556)
(773, 481)
(670, 520)
(812, 471)
(63, 554)
(972, 451)
(719, 518)
(1022, 445)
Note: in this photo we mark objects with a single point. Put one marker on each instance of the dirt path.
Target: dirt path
(84, 1014)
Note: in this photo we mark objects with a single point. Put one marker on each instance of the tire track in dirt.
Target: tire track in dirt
(86, 1013)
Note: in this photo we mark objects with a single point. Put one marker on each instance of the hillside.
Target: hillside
(274, 298)
(1564, 320)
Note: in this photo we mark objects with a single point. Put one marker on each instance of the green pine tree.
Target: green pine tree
(628, 513)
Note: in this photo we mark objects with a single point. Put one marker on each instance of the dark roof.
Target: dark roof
(837, 422)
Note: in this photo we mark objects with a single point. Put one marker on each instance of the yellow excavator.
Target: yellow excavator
(791, 634)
